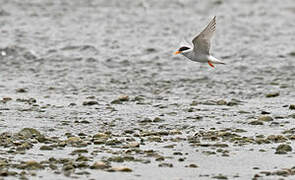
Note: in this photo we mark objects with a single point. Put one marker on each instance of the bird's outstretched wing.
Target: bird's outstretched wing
(202, 41)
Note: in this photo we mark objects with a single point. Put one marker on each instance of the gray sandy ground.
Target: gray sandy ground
(95, 81)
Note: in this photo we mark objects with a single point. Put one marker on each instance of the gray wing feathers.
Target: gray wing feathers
(202, 41)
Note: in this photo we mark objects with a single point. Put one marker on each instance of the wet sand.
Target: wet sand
(91, 90)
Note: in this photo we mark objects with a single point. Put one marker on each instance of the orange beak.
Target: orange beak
(177, 52)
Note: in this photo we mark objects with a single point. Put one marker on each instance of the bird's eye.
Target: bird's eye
(183, 48)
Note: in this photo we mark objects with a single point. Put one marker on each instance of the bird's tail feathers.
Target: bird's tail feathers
(215, 60)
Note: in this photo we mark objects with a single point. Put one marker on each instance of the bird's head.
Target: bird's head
(182, 50)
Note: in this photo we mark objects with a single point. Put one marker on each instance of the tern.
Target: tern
(199, 51)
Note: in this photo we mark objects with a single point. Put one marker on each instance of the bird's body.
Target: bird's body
(199, 52)
(196, 57)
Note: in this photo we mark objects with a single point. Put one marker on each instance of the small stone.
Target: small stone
(265, 118)
(79, 151)
(72, 104)
(5, 173)
(68, 167)
(181, 159)
(146, 120)
(120, 99)
(84, 122)
(116, 159)
(6, 99)
(81, 134)
(174, 132)
(21, 90)
(194, 103)
(82, 158)
(275, 94)
(154, 139)
(284, 173)
(81, 165)
(150, 50)
(255, 122)
(157, 119)
(190, 109)
(169, 146)
(292, 107)
(166, 165)
(112, 142)
(28, 133)
(193, 166)
(276, 138)
(265, 112)
(177, 153)
(29, 100)
(100, 136)
(160, 158)
(89, 103)
(267, 173)
(133, 145)
(283, 149)
(121, 169)
(73, 140)
(243, 112)
(82, 173)
(129, 131)
(99, 141)
(99, 165)
(44, 148)
(221, 102)
(220, 176)
(33, 165)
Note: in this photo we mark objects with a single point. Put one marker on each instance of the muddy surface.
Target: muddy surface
(91, 90)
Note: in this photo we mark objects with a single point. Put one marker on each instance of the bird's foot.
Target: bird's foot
(210, 64)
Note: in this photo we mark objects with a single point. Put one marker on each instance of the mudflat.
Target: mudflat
(91, 90)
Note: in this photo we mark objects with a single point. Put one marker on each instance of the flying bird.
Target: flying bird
(200, 51)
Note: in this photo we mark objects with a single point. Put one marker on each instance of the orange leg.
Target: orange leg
(210, 64)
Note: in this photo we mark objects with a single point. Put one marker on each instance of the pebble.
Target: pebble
(121, 169)
(46, 148)
(274, 94)
(73, 140)
(283, 149)
(21, 90)
(292, 107)
(265, 118)
(255, 122)
(99, 165)
(32, 165)
(221, 102)
(193, 166)
(166, 165)
(133, 145)
(89, 103)
(120, 99)
(220, 176)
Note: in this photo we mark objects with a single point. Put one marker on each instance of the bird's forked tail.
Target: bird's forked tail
(212, 60)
